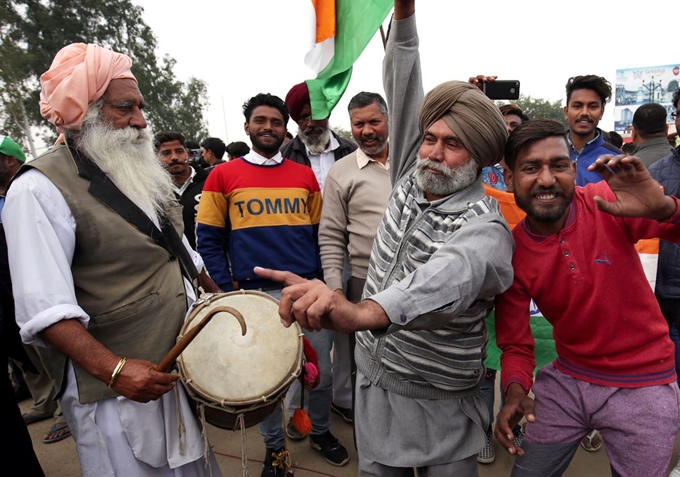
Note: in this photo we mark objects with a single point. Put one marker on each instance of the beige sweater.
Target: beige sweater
(354, 202)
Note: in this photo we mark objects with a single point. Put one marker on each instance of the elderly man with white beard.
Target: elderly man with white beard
(315, 145)
(101, 272)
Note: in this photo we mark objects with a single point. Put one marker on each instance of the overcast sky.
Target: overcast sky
(243, 48)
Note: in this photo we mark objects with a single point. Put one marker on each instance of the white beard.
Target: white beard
(450, 180)
(316, 145)
(127, 157)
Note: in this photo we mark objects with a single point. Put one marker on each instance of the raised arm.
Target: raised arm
(404, 9)
(403, 83)
(637, 193)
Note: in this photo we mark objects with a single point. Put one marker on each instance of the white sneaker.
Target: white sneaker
(676, 471)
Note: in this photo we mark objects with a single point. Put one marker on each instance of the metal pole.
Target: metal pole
(224, 117)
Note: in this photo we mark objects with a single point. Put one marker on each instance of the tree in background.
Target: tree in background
(33, 31)
(539, 108)
(343, 133)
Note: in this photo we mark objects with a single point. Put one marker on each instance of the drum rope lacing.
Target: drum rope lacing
(206, 446)
(244, 444)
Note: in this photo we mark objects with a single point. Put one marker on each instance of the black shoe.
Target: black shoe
(332, 450)
(343, 412)
(274, 463)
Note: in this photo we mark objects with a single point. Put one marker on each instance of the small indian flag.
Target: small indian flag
(342, 30)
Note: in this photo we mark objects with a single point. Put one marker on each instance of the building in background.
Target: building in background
(638, 86)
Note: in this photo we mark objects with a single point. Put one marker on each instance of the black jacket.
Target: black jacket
(189, 200)
(295, 150)
(667, 172)
(10, 342)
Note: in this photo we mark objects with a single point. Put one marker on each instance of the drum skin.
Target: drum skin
(230, 374)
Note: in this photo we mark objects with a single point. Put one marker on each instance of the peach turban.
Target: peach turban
(79, 76)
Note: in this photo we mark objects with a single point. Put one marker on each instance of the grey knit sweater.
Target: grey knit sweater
(435, 267)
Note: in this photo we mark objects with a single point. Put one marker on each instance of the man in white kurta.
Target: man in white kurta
(91, 96)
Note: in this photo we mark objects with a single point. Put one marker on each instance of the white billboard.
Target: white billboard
(637, 86)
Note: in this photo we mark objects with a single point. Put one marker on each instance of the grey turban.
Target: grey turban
(469, 114)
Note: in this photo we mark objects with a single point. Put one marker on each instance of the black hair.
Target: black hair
(512, 108)
(676, 99)
(628, 148)
(364, 99)
(529, 132)
(238, 149)
(615, 139)
(649, 120)
(266, 99)
(167, 136)
(214, 144)
(596, 83)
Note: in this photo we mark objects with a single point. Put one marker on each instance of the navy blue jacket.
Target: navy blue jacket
(589, 153)
(667, 172)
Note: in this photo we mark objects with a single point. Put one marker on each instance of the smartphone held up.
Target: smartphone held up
(501, 89)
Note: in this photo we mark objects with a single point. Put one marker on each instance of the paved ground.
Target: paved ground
(60, 459)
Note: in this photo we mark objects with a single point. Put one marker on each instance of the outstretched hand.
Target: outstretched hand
(637, 193)
(517, 405)
(315, 306)
(309, 302)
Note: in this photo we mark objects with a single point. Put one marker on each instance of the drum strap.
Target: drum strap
(103, 188)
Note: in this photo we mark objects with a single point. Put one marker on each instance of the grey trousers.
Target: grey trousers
(462, 468)
(41, 385)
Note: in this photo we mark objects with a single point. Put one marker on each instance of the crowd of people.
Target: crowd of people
(450, 242)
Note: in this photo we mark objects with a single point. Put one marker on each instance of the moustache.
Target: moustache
(546, 190)
(430, 164)
(314, 130)
(267, 133)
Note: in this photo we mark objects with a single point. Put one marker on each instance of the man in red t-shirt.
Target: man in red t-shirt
(575, 256)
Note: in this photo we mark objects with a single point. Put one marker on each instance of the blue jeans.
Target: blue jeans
(319, 399)
(670, 307)
(675, 338)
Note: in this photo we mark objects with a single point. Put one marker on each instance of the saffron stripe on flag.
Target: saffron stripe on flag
(322, 48)
(356, 22)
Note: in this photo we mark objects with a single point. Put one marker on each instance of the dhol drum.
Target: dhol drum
(235, 379)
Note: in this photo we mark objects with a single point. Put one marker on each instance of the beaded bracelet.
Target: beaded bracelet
(116, 372)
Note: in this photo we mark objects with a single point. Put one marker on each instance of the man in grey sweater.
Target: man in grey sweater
(649, 133)
(441, 254)
(357, 191)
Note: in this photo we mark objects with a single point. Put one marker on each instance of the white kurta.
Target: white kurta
(115, 436)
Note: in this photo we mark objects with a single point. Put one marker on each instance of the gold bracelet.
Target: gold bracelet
(116, 371)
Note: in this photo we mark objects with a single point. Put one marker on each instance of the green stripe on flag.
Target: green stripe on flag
(356, 23)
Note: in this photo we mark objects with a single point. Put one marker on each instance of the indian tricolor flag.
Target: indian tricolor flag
(341, 31)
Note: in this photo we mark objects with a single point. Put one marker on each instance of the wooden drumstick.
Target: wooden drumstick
(191, 334)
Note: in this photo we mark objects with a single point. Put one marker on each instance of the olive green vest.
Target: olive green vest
(131, 287)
